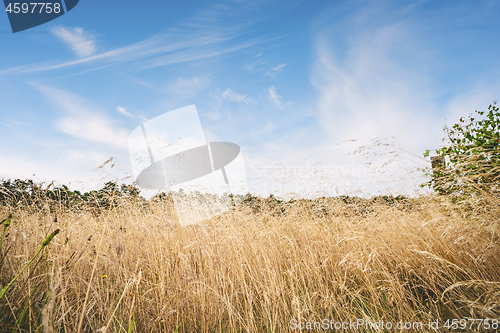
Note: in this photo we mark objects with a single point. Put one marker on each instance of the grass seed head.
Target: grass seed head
(6, 222)
(49, 238)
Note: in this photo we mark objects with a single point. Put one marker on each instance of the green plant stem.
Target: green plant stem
(19, 320)
(3, 236)
(45, 242)
(2, 293)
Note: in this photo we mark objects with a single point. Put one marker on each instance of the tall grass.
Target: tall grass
(131, 268)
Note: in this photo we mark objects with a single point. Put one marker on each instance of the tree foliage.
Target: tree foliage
(27, 193)
(469, 164)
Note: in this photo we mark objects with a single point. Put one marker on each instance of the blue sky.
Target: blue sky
(299, 85)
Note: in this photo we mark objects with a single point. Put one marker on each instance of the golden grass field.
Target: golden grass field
(258, 268)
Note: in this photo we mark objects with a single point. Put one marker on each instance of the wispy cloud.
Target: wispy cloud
(162, 50)
(221, 34)
(80, 41)
(187, 85)
(230, 95)
(123, 111)
(274, 97)
(198, 51)
(212, 115)
(377, 87)
(374, 86)
(83, 120)
(145, 49)
(93, 128)
(275, 70)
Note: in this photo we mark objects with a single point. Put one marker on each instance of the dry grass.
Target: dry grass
(132, 269)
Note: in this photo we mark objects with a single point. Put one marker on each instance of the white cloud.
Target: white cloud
(80, 41)
(178, 49)
(77, 169)
(467, 102)
(93, 128)
(277, 68)
(269, 126)
(376, 88)
(188, 86)
(207, 34)
(212, 115)
(231, 95)
(274, 97)
(83, 120)
(123, 111)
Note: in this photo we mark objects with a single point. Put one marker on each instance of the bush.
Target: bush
(28, 194)
(469, 165)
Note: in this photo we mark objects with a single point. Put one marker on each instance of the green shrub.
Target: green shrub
(469, 165)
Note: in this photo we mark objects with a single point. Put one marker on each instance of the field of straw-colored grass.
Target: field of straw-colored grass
(264, 267)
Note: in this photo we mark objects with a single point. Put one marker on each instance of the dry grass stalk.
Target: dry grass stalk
(257, 268)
